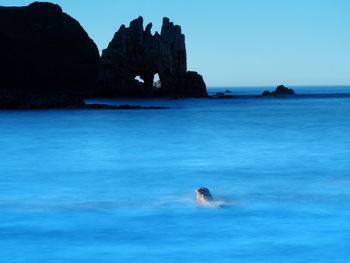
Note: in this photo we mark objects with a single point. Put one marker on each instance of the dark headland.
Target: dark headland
(47, 60)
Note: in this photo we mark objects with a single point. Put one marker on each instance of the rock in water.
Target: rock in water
(136, 52)
(266, 93)
(283, 90)
(45, 53)
(195, 85)
(203, 196)
(280, 90)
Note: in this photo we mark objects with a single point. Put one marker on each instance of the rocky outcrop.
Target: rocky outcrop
(135, 51)
(280, 90)
(195, 85)
(46, 57)
(47, 60)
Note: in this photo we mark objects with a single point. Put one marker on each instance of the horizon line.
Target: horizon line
(260, 86)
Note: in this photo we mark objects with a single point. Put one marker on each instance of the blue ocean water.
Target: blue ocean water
(117, 186)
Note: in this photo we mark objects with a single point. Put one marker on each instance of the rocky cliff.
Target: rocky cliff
(136, 52)
(45, 52)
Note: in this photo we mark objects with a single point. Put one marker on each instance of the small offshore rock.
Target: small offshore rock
(280, 90)
(283, 90)
(228, 91)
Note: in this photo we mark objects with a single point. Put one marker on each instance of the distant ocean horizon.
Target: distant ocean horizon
(302, 89)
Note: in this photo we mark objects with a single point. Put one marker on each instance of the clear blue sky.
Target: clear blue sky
(239, 42)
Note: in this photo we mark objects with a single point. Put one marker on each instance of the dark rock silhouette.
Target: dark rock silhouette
(46, 56)
(266, 93)
(47, 60)
(134, 51)
(280, 90)
(26, 102)
(61, 102)
(195, 85)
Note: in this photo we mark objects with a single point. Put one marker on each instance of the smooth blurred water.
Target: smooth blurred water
(116, 186)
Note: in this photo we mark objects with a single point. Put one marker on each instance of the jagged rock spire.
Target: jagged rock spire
(134, 51)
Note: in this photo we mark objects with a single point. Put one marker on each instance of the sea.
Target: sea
(115, 186)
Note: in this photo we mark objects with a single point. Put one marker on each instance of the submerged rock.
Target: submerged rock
(280, 90)
(135, 51)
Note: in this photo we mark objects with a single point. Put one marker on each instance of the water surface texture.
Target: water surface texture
(116, 186)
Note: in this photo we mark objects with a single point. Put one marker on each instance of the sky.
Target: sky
(238, 42)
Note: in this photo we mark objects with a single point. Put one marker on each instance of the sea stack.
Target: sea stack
(136, 52)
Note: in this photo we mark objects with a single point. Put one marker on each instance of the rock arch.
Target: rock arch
(134, 51)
